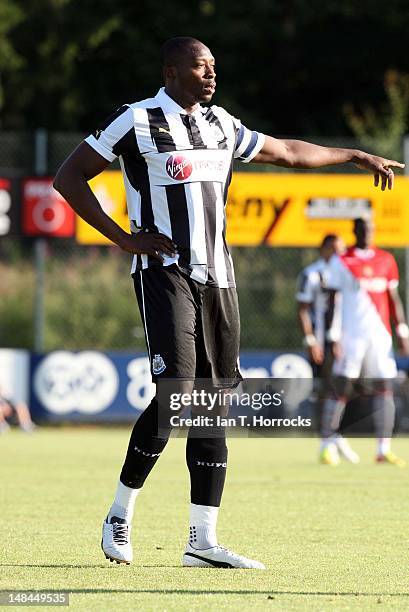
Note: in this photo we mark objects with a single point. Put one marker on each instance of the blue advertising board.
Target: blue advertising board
(96, 386)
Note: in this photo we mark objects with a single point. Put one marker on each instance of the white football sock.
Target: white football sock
(384, 446)
(325, 442)
(203, 520)
(124, 502)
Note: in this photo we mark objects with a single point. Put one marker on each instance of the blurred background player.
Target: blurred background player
(14, 413)
(313, 304)
(320, 321)
(367, 279)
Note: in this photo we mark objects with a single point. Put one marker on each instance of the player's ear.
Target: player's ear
(169, 72)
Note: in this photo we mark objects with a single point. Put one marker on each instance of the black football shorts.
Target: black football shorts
(192, 330)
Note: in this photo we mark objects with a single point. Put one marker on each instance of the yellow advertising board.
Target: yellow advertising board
(285, 209)
(110, 191)
(299, 209)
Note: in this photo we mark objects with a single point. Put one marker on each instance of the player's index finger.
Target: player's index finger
(395, 164)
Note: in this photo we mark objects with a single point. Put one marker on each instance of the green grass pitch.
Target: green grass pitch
(331, 538)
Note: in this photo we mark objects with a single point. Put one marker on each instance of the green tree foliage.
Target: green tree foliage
(10, 16)
(89, 299)
(283, 67)
(384, 129)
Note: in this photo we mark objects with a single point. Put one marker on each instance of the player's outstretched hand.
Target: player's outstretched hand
(381, 168)
(146, 243)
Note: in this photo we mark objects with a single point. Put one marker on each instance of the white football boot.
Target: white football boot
(217, 556)
(116, 540)
(346, 451)
(4, 427)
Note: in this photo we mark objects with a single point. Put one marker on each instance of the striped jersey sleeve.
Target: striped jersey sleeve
(110, 132)
(248, 142)
(306, 287)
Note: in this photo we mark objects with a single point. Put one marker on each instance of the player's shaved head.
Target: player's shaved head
(331, 244)
(328, 240)
(364, 231)
(363, 221)
(175, 49)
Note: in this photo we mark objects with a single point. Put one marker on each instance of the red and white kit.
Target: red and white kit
(364, 276)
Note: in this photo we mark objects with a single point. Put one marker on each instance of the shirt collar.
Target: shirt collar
(169, 105)
(365, 253)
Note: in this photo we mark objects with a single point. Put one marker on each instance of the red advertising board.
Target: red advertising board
(45, 212)
(9, 207)
(5, 207)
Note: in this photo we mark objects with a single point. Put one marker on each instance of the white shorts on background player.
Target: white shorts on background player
(366, 356)
(363, 278)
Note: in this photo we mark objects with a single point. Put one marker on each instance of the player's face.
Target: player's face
(339, 246)
(335, 247)
(195, 75)
(364, 232)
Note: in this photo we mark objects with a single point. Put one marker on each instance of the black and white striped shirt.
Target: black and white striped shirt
(177, 169)
(313, 288)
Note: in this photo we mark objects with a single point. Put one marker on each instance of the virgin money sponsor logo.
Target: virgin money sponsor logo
(215, 165)
(178, 167)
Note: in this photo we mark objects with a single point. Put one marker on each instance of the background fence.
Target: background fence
(87, 297)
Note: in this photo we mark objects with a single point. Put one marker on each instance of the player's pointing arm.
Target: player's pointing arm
(300, 154)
